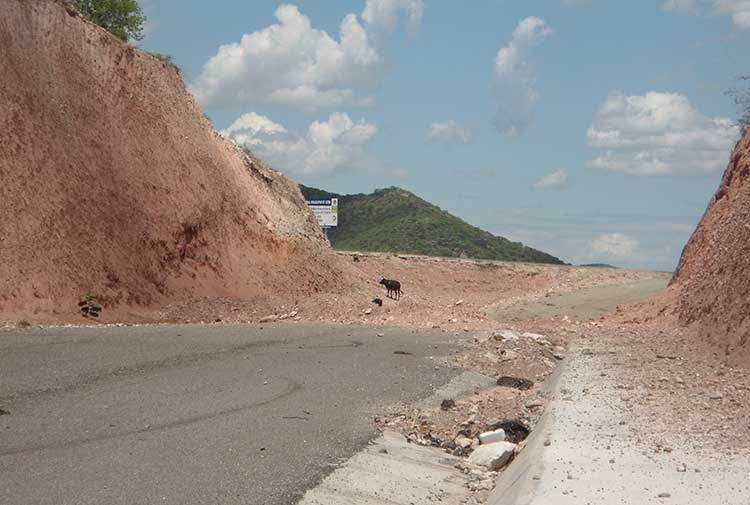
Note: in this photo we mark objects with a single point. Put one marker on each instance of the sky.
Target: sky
(593, 130)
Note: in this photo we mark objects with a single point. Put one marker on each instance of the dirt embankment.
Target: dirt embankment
(712, 283)
(113, 183)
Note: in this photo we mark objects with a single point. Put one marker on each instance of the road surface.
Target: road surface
(584, 304)
(202, 414)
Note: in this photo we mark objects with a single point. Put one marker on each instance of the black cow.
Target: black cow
(392, 287)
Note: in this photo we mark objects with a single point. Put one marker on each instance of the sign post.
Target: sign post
(326, 210)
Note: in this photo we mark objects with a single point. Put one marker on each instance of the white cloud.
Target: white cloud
(739, 10)
(329, 146)
(291, 63)
(448, 132)
(514, 77)
(680, 6)
(616, 246)
(659, 134)
(556, 179)
(382, 15)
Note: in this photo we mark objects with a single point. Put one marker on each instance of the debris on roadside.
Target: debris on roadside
(493, 456)
(447, 404)
(515, 382)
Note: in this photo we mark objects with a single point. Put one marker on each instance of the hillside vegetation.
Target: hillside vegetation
(395, 220)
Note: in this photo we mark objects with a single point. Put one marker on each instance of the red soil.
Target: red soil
(112, 182)
(712, 283)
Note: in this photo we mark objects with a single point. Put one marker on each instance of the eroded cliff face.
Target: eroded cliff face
(712, 281)
(113, 183)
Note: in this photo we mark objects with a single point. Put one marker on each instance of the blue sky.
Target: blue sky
(596, 131)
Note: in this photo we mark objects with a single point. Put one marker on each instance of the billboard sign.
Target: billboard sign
(326, 210)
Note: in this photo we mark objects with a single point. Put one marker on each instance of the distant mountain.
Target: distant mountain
(598, 265)
(395, 220)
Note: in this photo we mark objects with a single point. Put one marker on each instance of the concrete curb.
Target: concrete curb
(516, 484)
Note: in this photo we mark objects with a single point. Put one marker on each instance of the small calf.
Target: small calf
(392, 287)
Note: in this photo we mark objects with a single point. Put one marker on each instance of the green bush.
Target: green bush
(123, 18)
(741, 98)
(167, 60)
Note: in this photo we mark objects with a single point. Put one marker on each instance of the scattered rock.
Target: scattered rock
(368, 311)
(403, 353)
(447, 404)
(515, 430)
(4, 412)
(493, 456)
(463, 442)
(509, 355)
(682, 468)
(515, 382)
(381, 335)
(459, 302)
(269, 319)
(490, 437)
(505, 336)
(664, 495)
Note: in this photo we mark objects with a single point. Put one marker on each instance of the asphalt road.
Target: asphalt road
(584, 304)
(213, 414)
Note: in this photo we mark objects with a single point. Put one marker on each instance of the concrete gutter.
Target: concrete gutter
(583, 451)
(518, 482)
(391, 471)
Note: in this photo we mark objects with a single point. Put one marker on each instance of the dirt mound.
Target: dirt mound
(113, 183)
(712, 282)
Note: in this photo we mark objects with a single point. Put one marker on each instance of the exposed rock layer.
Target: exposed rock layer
(112, 182)
(712, 281)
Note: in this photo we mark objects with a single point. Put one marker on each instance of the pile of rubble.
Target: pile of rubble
(489, 426)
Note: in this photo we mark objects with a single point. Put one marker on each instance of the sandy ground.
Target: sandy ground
(454, 294)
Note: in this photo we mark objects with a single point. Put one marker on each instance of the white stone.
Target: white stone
(493, 456)
(491, 437)
(506, 335)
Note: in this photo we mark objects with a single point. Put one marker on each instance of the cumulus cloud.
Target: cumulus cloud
(382, 15)
(328, 146)
(659, 134)
(556, 179)
(681, 6)
(290, 63)
(449, 132)
(739, 10)
(514, 77)
(616, 246)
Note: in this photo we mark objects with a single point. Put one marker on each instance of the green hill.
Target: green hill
(395, 220)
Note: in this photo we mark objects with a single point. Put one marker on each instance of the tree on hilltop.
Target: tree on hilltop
(741, 98)
(123, 18)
